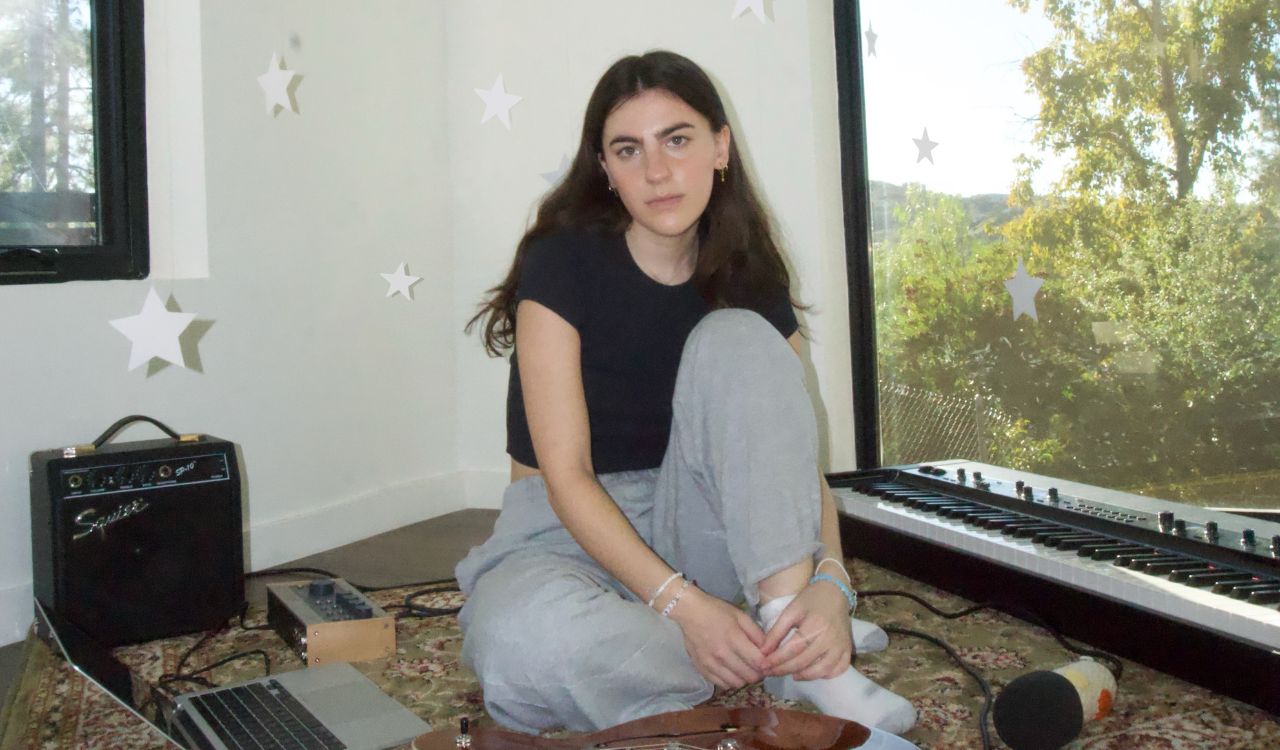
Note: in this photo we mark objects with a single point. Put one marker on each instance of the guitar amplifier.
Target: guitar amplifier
(141, 540)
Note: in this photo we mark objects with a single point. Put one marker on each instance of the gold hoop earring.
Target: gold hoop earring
(723, 170)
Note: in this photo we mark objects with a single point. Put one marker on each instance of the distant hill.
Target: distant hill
(886, 198)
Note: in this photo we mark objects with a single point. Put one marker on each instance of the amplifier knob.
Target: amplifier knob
(165, 471)
(75, 481)
(1211, 530)
(1247, 538)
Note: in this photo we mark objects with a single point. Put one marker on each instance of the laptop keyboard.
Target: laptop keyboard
(263, 716)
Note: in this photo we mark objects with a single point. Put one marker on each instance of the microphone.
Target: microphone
(1046, 710)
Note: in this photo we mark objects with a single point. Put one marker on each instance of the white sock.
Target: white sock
(868, 638)
(848, 696)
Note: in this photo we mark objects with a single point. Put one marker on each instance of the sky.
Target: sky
(953, 68)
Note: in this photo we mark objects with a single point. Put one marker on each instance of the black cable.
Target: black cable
(982, 683)
(416, 610)
(1111, 662)
(357, 586)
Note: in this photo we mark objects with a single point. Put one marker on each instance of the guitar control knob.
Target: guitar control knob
(1211, 530)
(1247, 538)
(1180, 527)
(1166, 519)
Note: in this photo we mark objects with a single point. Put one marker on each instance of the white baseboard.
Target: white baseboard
(278, 540)
(15, 612)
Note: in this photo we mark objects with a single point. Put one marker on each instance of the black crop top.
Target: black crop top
(632, 330)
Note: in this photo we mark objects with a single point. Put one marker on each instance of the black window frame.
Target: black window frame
(120, 151)
(854, 180)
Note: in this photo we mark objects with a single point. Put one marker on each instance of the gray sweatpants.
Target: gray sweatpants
(555, 639)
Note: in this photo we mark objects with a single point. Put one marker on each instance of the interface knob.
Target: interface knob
(1211, 530)
(960, 474)
(977, 476)
(1018, 485)
(1166, 519)
(322, 587)
(1180, 527)
(1247, 538)
(1028, 493)
(1053, 494)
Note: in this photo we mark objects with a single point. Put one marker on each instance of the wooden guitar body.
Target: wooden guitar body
(707, 728)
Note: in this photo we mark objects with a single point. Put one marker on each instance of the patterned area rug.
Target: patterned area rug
(52, 708)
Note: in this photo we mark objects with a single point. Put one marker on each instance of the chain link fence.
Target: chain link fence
(920, 425)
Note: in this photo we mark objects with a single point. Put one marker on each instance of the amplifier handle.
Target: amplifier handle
(122, 423)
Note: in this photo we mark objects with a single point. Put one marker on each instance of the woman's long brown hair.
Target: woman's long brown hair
(739, 264)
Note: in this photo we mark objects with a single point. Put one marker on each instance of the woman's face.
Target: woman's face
(660, 154)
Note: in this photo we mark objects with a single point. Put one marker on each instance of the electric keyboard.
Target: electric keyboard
(1187, 590)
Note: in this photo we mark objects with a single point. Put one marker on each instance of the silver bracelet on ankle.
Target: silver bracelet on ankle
(666, 611)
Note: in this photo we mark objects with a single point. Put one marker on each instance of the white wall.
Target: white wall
(358, 413)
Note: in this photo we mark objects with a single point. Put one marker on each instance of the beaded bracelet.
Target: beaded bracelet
(665, 583)
(849, 594)
(666, 611)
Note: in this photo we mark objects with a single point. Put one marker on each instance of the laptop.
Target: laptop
(332, 706)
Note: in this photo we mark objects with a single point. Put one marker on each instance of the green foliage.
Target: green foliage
(1155, 359)
(1143, 95)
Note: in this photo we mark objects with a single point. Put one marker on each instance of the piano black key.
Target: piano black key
(1042, 537)
(961, 511)
(1000, 522)
(1248, 590)
(1140, 562)
(940, 507)
(1023, 532)
(1165, 568)
(1027, 523)
(1059, 540)
(1111, 551)
(921, 502)
(1226, 585)
(1179, 575)
(1087, 550)
(1070, 544)
(977, 518)
(1127, 561)
(1205, 580)
(1265, 597)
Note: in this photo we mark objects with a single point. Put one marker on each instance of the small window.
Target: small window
(72, 141)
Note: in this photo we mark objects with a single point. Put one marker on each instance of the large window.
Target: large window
(72, 144)
(1074, 215)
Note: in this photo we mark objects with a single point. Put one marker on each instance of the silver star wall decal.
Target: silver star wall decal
(400, 282)
(924, 147)
(1023, 288)
(497, 103)
(154, 332)
(275, 85)
(871, 36)
(755, 6)
(556, 175)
